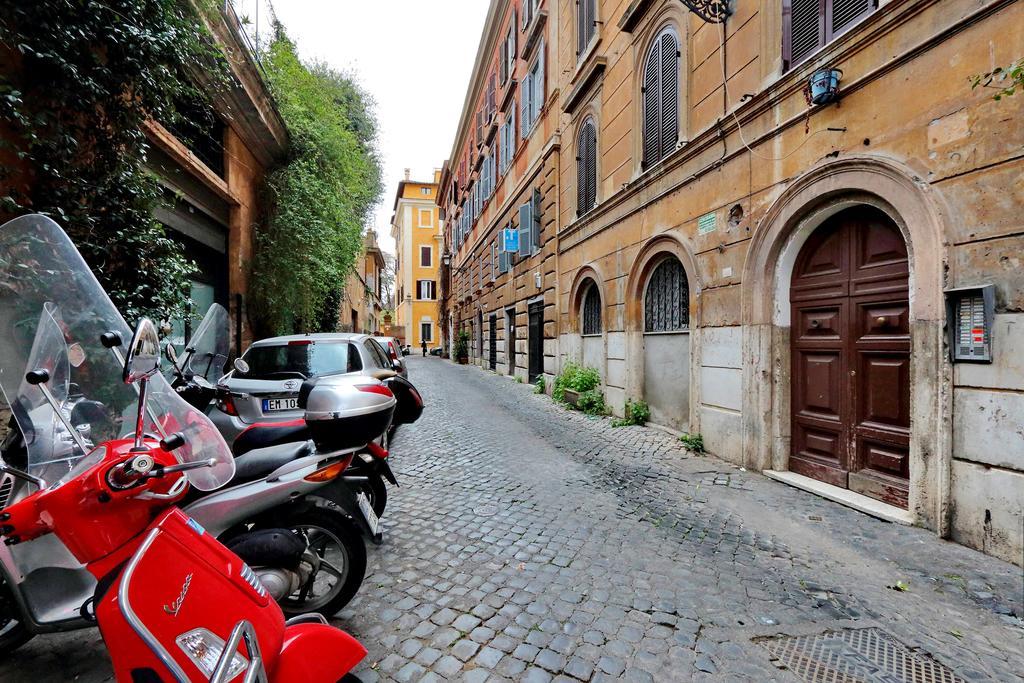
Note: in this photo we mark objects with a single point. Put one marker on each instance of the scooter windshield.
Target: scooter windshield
(52, 315)
(206, 353)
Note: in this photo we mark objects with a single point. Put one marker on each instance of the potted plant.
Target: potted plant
(462, 348)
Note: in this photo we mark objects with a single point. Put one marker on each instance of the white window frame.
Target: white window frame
(430, 324)
(430, 254)
(429, 222)
(419, 290)
(533, 93)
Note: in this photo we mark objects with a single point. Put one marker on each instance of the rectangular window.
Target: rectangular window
(425, 191)
(426, 218)
(426, 290)
(526, 229)
(426, 257)
(535, 234)
(532, 95)
(808, 25)
(526, 105)
(427, 332)
(508, 139)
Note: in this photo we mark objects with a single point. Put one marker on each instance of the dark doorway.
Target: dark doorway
(480, 334)
(493, 350)
(851, 356)
(536, 313)
(510, 339)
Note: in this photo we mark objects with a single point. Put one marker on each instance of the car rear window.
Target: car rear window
(308, 359)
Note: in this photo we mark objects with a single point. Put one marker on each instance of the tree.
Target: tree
(319, 199)
(84, 78)
(387, 282)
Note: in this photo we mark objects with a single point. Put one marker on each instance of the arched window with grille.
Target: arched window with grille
(660, 97)
(591, 309)
(586, 168)
(586, 24)
(667, 298)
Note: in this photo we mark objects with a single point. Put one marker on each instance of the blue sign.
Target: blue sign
(510, 240)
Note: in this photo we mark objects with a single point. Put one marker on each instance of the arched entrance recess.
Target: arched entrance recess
(767, 315)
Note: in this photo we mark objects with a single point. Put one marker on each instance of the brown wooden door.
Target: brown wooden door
(851, 356)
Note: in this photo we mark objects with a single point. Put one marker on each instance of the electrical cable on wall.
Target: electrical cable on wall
(739, 127)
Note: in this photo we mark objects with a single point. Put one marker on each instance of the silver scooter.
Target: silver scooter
(287, 511)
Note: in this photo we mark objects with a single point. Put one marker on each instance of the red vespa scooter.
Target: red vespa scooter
(172, 603)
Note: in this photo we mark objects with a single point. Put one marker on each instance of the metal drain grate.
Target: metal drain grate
(861, 655)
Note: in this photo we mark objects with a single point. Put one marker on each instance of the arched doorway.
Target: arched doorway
(666, 320)
(850, 356)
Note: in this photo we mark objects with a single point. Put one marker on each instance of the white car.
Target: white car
(275, 368)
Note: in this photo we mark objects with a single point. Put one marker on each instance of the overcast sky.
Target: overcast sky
(414, 57)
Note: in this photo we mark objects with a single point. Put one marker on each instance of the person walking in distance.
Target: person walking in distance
(423, 344)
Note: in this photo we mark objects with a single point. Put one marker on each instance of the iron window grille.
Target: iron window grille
(592, 310)
(667, 298)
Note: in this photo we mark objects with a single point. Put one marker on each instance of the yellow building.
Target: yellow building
(419, 242)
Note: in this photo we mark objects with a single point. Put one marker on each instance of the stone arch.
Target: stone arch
(920, 215)
(580, 282)
(670, 244)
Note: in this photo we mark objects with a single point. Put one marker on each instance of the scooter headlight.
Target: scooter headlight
(205, 650)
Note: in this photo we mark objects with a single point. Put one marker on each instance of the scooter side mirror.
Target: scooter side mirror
(143, 359)
(241, 367)
(170, 353)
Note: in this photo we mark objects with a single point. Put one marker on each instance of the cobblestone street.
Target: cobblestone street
(530, 543)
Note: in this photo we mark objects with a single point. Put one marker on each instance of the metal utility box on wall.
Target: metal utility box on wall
(969, 314)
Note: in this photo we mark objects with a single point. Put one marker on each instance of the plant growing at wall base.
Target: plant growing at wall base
(540, 386)
(592, 402)
(319, 200)
(80, 81)
(693, 442)
(462, 346)
(574, 377)
(636, 413)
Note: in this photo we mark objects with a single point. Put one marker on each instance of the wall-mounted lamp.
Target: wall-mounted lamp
(711, 11)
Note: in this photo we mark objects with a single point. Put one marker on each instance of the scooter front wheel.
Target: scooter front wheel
(335, 558)
(13, 633)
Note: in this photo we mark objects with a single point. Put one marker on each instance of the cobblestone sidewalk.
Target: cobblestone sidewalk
(531, 543)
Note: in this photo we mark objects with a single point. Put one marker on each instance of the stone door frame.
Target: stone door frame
(921, 217)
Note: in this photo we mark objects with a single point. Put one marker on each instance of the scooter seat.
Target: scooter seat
(260, 462)
(264, 434)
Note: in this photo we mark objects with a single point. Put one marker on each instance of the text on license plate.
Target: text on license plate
(272, 404)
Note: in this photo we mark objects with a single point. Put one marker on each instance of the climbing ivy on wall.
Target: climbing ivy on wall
(320, 199)
(78, 79)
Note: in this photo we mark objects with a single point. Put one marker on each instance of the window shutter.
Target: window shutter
(581, 31)
(525, 94)
(586, 190)
(844, 12)
(537, 215)
(652, 116)
(806, 29)
(525, 229)
(591, 19)
(669, 93)
(491, 90)
(512, 141)
(538, 86)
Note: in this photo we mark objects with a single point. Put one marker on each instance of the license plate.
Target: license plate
(271, 405)
(368, 513)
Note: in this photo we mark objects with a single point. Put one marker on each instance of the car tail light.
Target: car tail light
(205, 650)
(300, 342)
(394, 354)
(328, 473)
(375, 389)
(226, 404)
